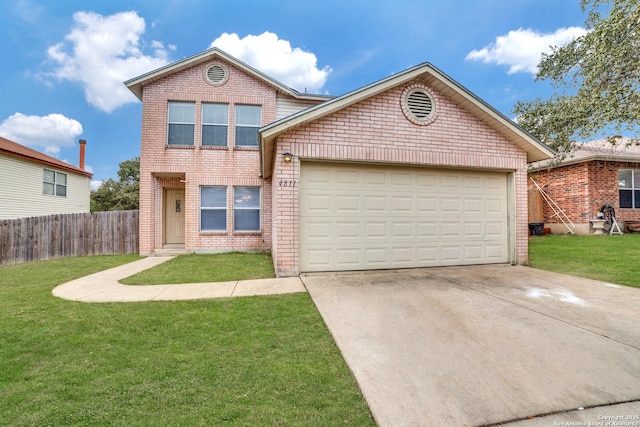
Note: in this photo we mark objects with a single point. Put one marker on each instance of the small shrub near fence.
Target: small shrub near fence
(56, 236)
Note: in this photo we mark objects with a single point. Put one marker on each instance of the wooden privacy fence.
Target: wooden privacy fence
(56, 236)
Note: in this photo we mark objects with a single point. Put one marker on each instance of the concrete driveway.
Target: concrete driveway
(486, 345)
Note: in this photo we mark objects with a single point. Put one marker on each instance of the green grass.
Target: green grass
(263, 361)
(206, 268)
(610, 258)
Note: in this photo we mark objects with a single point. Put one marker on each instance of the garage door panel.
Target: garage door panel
(495, 206)
(450, 229)
(375, 204)
(496, 252)
(450, 205)
(375, 230)
(427, 230)
(472, 182)
(319, 230)
(450, 181)
(375, 256)
(403, 255)
(375, 178)
(473, 206)
(346, 177)
(495, 183)
(317, 176)
(318, 203)
(347, 203)
(317, 258)
(473, 252)
(402, 204)
(355, 217)
(496, 230)
(347, 230)
(473, 229)
(348, 257)
(402, 230)
(402, 180)
(450, 253)
(427, 205)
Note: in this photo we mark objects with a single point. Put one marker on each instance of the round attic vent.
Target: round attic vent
(216, 74)
(418, 105)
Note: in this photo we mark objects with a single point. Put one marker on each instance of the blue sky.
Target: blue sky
(63, 62)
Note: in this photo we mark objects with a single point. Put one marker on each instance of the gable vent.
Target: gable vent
(418, 104)
(216, 74)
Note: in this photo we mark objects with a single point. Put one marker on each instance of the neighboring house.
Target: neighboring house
(34, 184)
(595, 174)
(410, 171)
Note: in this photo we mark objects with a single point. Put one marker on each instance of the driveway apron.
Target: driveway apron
(484, 345)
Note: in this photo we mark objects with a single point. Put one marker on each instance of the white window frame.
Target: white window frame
(181, 121)
(55, 187)
(213, 208)
(633, 187)
(239, 207)
(216, 123)
(241, 124)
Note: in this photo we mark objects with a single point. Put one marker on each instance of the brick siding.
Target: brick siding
(581, 190)
(163, 167)
(375, 130)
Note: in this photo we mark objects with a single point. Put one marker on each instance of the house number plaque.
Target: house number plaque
(285, 183)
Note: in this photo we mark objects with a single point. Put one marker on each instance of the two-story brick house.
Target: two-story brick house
(410, 171)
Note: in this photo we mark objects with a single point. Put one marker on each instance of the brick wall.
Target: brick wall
(189, 168)
(581, 190)
(376, 130)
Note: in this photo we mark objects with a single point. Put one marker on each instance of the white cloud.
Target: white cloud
(95, 184)
(522, 49)
(49, 133)
(101, 52)
(276, 58)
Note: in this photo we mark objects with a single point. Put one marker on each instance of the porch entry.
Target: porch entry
(174, 217)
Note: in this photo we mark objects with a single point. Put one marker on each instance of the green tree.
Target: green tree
(598, 78)
(122, 194)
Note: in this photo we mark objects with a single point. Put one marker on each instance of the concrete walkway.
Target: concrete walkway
(104, 286)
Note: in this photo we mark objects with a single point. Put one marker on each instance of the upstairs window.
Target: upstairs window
(215, 122)
(629, 188)
(248, 119)
(246, 209)
(181, 123)
(54, 183)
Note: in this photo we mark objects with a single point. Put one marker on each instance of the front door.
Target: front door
(174, 217)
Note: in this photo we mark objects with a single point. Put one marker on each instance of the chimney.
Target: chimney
(82, 143)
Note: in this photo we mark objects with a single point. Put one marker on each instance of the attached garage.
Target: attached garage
(411, 171)
(359, 217)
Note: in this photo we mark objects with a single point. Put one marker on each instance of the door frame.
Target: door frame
(165, 207)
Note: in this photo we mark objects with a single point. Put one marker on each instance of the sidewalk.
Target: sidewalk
(104, 286)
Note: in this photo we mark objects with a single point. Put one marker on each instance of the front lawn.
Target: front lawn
(610, 258)
(238, 362)
(202, 268)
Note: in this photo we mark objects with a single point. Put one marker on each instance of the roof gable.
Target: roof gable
(136, 84)
(16, 150)
(534, 148)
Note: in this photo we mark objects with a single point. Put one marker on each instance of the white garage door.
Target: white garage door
(358, 217)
